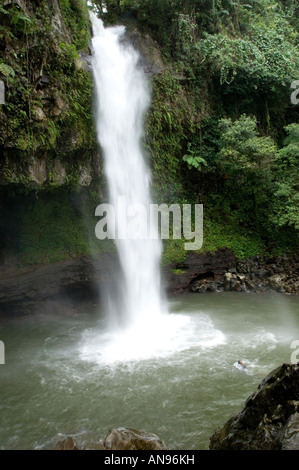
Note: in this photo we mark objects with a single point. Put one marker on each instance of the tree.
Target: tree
(287, 175)
(243, 151)
(246, 160)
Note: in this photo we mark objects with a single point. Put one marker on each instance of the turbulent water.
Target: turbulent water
(49, 390)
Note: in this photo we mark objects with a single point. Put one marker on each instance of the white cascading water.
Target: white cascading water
(123, 97)
(141, 326)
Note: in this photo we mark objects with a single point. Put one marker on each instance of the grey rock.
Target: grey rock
(85, 61)
(149, 51)
(26, 290)
(275, 281)
(206, 266)
(269, 419)
(290, 439)
(118, 439)
(132, 439)
(68, 443)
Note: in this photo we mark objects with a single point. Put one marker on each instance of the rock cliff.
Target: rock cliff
(27, 289)
(269, 419)
(46, 137)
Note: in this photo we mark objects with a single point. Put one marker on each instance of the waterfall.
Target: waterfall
(140, 326)
(123, 96)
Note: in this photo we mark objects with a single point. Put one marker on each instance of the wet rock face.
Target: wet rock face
(269, 419)
(26, 290)
(221, 271)
(118, 439)
(199, 272)
(264, 273)
(150, 53)
(37, 171)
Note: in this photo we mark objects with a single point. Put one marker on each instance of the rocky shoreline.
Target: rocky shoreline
(24, 290)
(223, 272)
(257, 275)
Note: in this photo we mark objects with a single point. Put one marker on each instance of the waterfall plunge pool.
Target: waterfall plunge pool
(65, 375)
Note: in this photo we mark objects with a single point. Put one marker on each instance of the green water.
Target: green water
(55, 382)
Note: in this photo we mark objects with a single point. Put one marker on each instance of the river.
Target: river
(55, 381)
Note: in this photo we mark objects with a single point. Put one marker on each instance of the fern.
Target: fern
(6, 70)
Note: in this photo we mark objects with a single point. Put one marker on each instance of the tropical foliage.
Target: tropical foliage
(222, 129)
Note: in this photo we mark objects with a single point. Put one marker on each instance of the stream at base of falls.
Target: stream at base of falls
(65, 374)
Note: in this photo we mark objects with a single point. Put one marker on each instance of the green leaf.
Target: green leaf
(6, 70)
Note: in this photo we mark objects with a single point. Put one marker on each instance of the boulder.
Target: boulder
(68, 443)
(132, 439)
(118, 439)
(276, 282)
(227, 281)
(202, 272)
(269, 419)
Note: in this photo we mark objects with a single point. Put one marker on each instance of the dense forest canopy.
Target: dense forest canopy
(222, 129)
(239, 133)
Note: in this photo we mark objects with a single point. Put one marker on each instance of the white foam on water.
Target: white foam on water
(171, 335)
(261, 339)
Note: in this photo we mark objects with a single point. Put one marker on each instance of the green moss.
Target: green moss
(75, 15)
(173, 252)
(225, 235)
(32, 121)
(167, 124)
(216, 234)
(49, 226)
(43, 227)
(178, 271)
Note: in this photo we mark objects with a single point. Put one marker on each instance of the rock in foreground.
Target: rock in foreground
(269, 419)
(118, 439)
